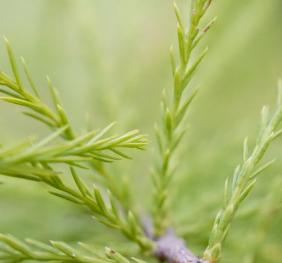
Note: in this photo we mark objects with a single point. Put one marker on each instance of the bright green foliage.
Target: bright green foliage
(87, 147)
(175, 105)
(92, 146)
(108, 202)
(107, 214)
(244, 178)
(37, 109)
(33, 161)
(15, 250)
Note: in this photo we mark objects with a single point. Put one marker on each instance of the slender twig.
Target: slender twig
(171, 129)
(56, 119)
(244, 179)
(15, 250)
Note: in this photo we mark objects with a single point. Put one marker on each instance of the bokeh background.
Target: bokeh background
(109, 60)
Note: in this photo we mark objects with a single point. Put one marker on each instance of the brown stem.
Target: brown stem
(173, 249)
(169, 247)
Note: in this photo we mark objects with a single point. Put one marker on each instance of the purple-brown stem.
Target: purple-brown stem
(170, 248)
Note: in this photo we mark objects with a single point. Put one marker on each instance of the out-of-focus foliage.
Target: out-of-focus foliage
(110, 59)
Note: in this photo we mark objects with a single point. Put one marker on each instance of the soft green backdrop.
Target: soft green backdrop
(109, 60)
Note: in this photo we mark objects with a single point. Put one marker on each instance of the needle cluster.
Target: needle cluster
(15, 250)
(175, 105)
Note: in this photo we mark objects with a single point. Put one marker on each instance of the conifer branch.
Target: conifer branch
(84, 148)
(32, 160)
(171, 129)
(56, 119)
(244, 179)
(17, 94)
(104, 207)
(15, 250)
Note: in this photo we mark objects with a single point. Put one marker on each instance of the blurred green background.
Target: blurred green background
(109, 60)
